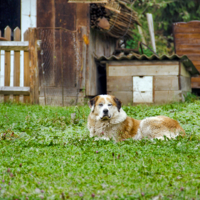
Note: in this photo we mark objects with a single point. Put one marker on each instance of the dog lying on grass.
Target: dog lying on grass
(108, 120)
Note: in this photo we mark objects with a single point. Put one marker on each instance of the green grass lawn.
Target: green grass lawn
(44, 155)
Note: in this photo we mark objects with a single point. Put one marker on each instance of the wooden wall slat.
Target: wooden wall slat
(196, 62)
(26, 68)
(187, 51)
(187, 35)
(144, 70)
(82, 14)
(167, 96)
(185, 83)
(195, 82)
(191, 24)
(192, 41)
(83, 47)
(26, 74)
(33, 64)
(17, 37)
(189, 46)
(7, 35)
(186, 30)
(120, 83)
(125, 96)
(166, 83)
(198, 67)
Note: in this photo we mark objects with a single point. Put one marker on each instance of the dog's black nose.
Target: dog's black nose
(105, 111)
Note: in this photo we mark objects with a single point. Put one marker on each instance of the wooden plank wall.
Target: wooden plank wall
(63, 31)
(187, 42)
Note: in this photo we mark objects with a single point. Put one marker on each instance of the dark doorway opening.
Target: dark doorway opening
(9, 14)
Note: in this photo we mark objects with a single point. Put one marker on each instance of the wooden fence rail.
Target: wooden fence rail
(30, 90)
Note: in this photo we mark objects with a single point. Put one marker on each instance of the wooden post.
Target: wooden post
(7, 35)
(84, 55)
(26, 68)
(33, 64)
(142, 35)
(151, 30)
(17, 37)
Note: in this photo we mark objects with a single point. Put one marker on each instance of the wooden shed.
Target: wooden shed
(140, 79)
(187, 42)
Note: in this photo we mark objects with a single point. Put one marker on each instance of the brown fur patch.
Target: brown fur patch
(111, 100)
(129, 128)
(171, 124)
(93, 101)
(100, 100)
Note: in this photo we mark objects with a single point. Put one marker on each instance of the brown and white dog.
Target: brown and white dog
(108, 120)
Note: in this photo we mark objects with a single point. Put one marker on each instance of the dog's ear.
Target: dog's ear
(119, 103)
(91, 103)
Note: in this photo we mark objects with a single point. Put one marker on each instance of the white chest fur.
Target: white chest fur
(106, 129)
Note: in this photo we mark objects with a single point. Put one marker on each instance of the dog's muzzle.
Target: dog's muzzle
(105, 115)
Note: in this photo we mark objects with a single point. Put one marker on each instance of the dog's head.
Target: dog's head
(105, 106)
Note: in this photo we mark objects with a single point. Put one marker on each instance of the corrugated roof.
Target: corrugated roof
(184, 59)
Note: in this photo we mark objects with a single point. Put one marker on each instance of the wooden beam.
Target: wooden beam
(142, 35)
(151, 30)
(33, 66)
(17, 37)
(13, 45)
(7, 35)
(26, 68)
(84, 56)
(143, 70)
(15, 90)
(17, 45)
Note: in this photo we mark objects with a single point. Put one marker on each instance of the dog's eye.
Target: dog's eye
(100, 104)
(109, 104)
